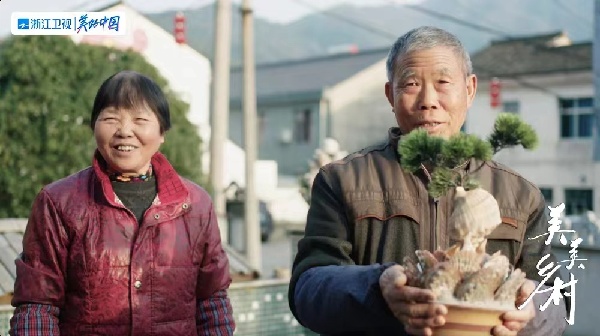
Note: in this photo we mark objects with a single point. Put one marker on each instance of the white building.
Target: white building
(548, 81)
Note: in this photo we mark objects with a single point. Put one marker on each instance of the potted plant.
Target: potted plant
(476, 287)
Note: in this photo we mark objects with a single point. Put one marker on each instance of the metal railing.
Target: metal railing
(6, 312)
(259, 308)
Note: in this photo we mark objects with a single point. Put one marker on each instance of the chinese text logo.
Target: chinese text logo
(549, 270)
(68, 23)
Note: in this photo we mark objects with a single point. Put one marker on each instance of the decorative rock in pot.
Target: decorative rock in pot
(476, 287)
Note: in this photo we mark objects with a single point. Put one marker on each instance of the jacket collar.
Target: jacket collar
(170, 187)
(394, 135)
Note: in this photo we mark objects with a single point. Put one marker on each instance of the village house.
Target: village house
(301, 103)
(548, 81)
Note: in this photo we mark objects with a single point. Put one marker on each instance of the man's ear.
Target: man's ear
(389, 93)
(471, 89)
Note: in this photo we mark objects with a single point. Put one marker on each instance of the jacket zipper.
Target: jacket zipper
(433, 207)
(434, 226)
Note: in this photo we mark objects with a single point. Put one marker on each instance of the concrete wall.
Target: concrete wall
(360, 112)
(363, 122)
(291, 156)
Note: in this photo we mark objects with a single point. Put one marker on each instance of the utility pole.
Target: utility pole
(253, 243)
(220, 110)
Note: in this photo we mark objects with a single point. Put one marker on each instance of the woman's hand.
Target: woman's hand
(413, 306)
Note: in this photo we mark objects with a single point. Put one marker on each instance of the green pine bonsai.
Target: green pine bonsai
(419, 149)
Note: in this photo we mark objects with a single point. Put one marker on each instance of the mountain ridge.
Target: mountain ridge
(320, 33)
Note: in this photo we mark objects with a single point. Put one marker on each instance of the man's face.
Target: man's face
(430, 91)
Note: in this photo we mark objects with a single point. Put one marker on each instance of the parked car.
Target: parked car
(266, 222)
(235, 209)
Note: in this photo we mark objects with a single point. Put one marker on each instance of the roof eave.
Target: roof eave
(281, 99)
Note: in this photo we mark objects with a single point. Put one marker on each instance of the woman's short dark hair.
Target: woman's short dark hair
(129, 90)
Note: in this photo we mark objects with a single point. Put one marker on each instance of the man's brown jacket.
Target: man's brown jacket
(366, 210)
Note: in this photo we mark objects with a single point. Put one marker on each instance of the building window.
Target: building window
(548, 194)
(576, 117)
(511, 106)
(262, 126)
(577, 201)
(302, 126)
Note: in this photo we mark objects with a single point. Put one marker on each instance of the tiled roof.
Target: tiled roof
(11, 244)
(310, 75)
(532, 55)
(528, 55)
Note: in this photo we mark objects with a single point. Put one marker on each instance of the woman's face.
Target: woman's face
(127, 139)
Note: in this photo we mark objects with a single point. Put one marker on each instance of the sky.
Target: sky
(280, 11)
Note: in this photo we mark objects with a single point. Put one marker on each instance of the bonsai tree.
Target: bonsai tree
(465, 272)
(418, 149)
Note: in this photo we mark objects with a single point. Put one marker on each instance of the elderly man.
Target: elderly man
(367, 214)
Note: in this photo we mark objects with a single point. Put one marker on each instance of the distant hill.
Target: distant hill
(319, 33)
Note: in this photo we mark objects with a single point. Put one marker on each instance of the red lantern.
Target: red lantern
(495, 88)
(179, 28)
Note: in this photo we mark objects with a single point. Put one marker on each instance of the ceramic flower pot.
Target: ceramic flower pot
(469, 320)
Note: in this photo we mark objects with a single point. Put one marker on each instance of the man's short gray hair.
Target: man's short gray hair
(424, 38)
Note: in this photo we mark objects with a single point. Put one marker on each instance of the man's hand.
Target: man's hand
(516, 320)
(413, 306)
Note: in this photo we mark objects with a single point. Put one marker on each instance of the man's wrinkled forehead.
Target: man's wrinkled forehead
(403, 71)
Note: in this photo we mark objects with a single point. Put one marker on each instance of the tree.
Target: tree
(47, 89)
(418, 149)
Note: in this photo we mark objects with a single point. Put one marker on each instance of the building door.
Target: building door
(577, 201)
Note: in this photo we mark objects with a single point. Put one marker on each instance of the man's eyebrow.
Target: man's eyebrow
(406, 74)
(444, 72)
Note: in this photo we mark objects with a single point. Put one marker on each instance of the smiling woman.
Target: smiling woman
(127, 130)
(126, 243)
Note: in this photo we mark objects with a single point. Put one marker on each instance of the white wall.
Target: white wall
(360, 112)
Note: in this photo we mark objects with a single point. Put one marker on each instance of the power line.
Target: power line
(380, 32)
(573, 13)
(355, 23)
(456, 20)
(468, 8)
(480, 28)
(537, 45)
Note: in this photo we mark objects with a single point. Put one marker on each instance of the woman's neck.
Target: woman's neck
(130, 177)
